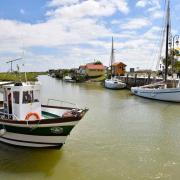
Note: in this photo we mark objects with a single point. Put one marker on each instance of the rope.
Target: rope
(162, 36)
(159, 42)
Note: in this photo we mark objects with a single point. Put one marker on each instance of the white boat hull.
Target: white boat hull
(114, 84)
(32, 140)
(68, 79)
(167, 94)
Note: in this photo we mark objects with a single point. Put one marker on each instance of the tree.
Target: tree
(171, 62)
(98, 62)
(177, 66)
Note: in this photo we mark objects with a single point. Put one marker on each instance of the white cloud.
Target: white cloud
(70, 25)
(122, 5)
(141, 3)
(153, 7)
(136, 23)
(87, 8)
(157, 14)
(153, 4)
(55, 3)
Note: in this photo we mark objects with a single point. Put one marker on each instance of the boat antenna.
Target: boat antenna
(112, 54)
(167, 39)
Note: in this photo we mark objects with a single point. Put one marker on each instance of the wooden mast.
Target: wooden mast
(112, 55)
(167, 39)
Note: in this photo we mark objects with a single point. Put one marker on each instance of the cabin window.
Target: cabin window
(5, 95)
(27, 97)
(36, 96)
(16, 97)
(31, 96)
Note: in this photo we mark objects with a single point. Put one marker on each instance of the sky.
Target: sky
(52, 34)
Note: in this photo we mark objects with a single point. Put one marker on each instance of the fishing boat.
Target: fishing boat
(24, 121)
(113, 82)
(166, 90)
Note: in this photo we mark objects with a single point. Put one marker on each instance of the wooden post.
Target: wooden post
(149, 78)
(135, 79)
(127, 79)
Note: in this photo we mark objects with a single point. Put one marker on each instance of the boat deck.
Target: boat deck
(48, 115)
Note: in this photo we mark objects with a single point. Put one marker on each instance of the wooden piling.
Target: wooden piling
(135, 79)
(149, 78)
(127, 79)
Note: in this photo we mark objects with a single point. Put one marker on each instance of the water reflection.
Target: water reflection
(24, 160)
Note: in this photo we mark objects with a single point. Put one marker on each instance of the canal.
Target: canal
(121, 137)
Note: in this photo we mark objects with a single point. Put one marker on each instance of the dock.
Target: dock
(135, 80)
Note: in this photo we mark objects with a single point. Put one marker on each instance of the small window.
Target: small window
(27, 97)
(16, 97)
(36, 96)
(5, 95)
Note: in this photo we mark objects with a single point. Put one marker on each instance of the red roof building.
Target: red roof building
(92, 69)
(95, 66)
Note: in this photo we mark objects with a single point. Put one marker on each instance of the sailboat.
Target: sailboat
(165, 91)
(113, 83)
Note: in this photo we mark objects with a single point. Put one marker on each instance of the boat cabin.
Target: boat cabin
(21, 101)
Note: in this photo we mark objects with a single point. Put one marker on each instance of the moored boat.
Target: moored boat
(24, 121)
(158, 91)
(68, 79)
(163, 91)
(113, 82)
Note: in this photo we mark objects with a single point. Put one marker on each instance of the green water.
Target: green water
(121, 137)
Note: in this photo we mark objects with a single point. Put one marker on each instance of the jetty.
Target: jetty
(139, 80)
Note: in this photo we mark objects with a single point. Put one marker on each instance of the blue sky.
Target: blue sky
(68, 33)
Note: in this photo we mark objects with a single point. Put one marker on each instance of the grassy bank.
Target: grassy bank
(98, 79)
(31, 76)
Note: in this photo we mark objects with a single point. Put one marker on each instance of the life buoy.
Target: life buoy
(32, 114)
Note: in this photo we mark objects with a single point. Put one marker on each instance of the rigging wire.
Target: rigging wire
(163, 38)
(158, 43)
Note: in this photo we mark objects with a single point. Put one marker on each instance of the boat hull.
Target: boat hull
(29, 142)
(40, 137)
(44, 133)
(167, 94)
(111, 84)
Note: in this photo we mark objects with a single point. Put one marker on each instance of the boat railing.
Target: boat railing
(62, 102)
(4, 115)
